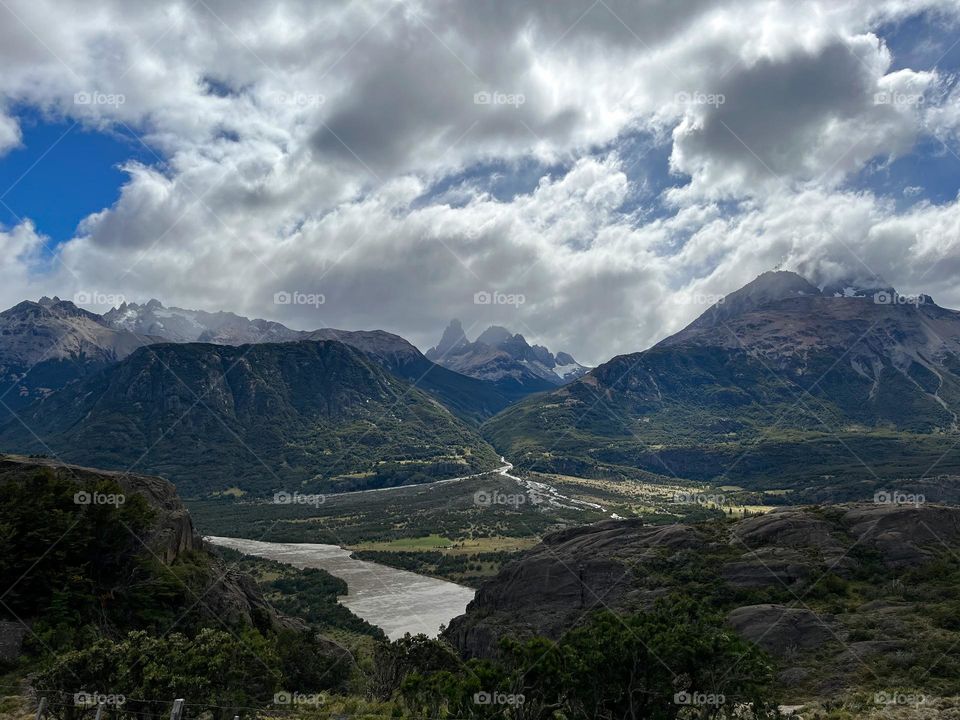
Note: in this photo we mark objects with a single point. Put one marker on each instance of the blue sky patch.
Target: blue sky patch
(62, 173)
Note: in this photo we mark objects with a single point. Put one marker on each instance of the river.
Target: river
(395, 600)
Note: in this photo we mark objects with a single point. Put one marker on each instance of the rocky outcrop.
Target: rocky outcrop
(114, 555)
(499, 356)
(786, 528)
(780, 630)
(766, 566)
(765, 573)
(220, 593)
(174, 533)
(569, 574)
(905, 534)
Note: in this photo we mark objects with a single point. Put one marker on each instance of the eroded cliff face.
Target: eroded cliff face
(816, 587)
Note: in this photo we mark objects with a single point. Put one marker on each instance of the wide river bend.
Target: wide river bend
(397, 601)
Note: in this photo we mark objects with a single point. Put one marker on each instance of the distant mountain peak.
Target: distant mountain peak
(51, 342)
(804, 382)
(49, 307)
(778, 284)
(769, 287)
(501, 356)
(180, 325)
(452, 339)
(495, 336)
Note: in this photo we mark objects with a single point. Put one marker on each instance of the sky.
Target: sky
(591, 174)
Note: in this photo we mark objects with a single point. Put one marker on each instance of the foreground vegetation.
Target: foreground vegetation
(112, 621)
(106, 613)
(649, 665)
(110, 615)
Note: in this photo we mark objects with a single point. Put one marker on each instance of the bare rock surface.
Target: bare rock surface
(780, 630)
(794, 554)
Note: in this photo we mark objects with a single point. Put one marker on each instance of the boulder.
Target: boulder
(786, 527)
(780, 630)
(904, 534)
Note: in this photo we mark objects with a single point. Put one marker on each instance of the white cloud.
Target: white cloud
(24, 265)
(10, 135)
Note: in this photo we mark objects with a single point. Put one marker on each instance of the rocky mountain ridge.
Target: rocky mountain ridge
(46, 344)
(779, 386)
(179, 325)
(263, 418)
(501, 357)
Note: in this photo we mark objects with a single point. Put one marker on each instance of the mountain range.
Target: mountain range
(179, 325)
(505, 359)
(45, 345)
(310, 416)
(779, 386)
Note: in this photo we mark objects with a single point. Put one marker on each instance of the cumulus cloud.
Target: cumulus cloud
(299, 147)
(10, 135)
(812, 116)
(25, 263)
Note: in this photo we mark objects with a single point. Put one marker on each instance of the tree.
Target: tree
(411, 654)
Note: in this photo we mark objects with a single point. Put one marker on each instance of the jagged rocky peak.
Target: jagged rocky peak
(499, 355)
(453, 338)
(180, 325)
(51, 342)
(46, 306)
